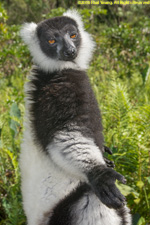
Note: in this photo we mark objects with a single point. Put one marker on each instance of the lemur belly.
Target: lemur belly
(43, 184)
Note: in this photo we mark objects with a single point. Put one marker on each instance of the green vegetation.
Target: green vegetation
(120, 76)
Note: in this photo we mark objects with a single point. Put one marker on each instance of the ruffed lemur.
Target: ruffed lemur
(65, 178)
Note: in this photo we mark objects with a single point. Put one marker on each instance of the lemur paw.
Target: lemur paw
(108, 150)
(102, 181)
(109, 163)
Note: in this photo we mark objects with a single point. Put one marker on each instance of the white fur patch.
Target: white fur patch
(43, 183)
(73, 14)
(128, 216)
(29, 35)
(90, 210)
(75, 153)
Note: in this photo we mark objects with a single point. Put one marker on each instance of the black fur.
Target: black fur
(62, 213)
(60, 99)
(56, 23)
(64, 98)
(108, 150)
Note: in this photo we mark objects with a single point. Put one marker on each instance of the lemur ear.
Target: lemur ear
(73, 14)
(28, 32)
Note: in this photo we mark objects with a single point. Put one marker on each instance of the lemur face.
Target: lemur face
(59, 43)
(59, 38)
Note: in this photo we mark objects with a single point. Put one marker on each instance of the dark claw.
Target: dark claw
(109, 163)
(124, 181)
(108, 150)
(121, 178)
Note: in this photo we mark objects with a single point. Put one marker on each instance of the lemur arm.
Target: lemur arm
(80, 157)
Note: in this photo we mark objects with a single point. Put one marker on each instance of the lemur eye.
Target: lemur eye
(73, 36)
(52, 41)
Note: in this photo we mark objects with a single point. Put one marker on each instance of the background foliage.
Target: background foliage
(120, 76)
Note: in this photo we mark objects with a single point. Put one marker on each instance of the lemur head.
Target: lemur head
(59, 38)
(59, 43)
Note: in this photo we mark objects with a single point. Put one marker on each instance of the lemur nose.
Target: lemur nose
(73, 51)
(70, 52)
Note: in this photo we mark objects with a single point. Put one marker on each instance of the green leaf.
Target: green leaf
(126, 190)
(137, 200)
(15, 115)
(148, 179)
(141, 221)
(1, 145)
(144, 72)
(15, 111)
(140, 184)
(14, 127)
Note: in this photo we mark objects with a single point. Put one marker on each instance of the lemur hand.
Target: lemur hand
(108, 162)
(108, 150)
(102, 181)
